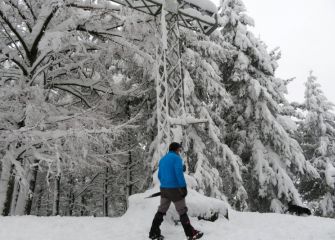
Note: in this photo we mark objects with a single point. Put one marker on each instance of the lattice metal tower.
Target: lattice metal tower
(197, 15)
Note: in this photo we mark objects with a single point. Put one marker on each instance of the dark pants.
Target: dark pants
(177, 197)
(179, 205)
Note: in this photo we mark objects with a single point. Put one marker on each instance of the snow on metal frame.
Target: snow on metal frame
(204, 5)
(152, 7)
(196, 14)
(200, 12)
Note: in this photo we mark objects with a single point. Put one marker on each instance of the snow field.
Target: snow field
(241, 226)
(135, 224)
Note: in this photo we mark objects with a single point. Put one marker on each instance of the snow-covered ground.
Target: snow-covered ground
(136, 222)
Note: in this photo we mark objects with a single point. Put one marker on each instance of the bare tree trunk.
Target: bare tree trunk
(15, 197)
(9, 192)
(82, 201)
(56, 195)
(19, 193)
(49, 205)
(1, 164)
(129, 176)
(71, 200)
(39, 202)
(4, 183)
(71, 196)
(32, 186)
(105, 195)
(129, 184)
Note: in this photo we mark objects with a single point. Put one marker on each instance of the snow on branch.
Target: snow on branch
(99, 32)
(15, 31)
(136, 49)
(330, 175)
(12, 56)
(96, 85)
(196, 14)
(93, 6)
(21, 13)
(184, 121)
(44, 18)
(30, 9)
(204, 5)
(74, 92)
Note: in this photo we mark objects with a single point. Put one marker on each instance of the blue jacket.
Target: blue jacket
(170, 172)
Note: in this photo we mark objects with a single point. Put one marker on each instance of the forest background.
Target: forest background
(78, 113)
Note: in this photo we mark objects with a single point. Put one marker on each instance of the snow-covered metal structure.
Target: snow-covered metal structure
(197, 15)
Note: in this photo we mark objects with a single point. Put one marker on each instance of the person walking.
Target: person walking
(173, 189)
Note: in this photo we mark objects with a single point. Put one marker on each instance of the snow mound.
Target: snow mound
(198, 205)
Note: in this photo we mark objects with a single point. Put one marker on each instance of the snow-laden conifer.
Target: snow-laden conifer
(317, 138)
(256, 129)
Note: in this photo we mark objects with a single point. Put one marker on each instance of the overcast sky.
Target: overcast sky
(305, 32)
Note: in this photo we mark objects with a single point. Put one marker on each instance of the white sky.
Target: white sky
(305, 32)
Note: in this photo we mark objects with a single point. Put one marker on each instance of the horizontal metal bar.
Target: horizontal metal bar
(140, 7)
(188, 21)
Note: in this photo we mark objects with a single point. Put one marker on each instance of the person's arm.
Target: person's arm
(159, 173)
(178, 167)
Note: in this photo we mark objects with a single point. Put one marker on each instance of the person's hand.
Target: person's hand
(183, 192)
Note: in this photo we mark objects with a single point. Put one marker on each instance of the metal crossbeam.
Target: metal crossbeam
(146, 6)
(189, 15)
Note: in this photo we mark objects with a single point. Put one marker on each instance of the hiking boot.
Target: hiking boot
(156, 236)
(195, 235)
(190, 232)
(155, 232)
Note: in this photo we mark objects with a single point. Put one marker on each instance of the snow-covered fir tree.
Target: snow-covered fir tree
(216, 168)
(317, 138)
(255, 124)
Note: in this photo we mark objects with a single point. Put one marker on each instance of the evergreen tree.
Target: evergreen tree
(256, 129)
(216, 168)
(317, 138)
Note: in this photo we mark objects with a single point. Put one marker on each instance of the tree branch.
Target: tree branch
(70, 90)
(18, 63)
(34, 48)
(21, 14)
(97, 32)
(86, 85)
(39, 60)
(12, 41)
(93, 6)
(16, 33)
(30, 9)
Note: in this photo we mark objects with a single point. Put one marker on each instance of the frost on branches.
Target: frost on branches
(214, 165)
(63, 109)
(78, 124)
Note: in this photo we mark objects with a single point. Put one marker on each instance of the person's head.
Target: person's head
(176, 147)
